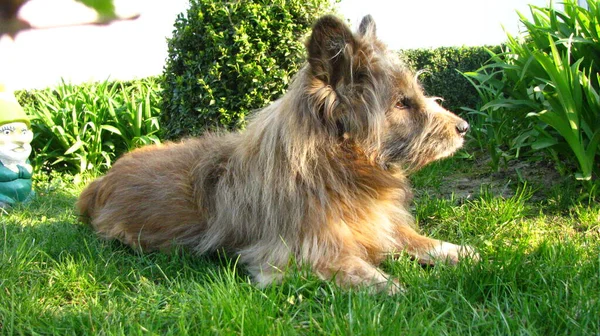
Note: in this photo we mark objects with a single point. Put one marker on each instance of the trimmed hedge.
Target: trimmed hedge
(443, 73)
(229, 58)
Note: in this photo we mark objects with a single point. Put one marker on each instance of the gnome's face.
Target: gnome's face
(15, 143)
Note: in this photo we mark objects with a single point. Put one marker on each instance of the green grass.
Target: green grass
(539, 274)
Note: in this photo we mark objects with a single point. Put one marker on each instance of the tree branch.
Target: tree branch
(11, 24)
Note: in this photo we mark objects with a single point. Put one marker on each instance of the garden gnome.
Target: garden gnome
(15, 147)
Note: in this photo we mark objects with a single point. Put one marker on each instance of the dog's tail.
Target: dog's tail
(88, 201)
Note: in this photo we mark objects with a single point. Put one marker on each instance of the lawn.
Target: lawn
(539, 239)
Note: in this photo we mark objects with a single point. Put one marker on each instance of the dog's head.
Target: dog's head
(361, 92)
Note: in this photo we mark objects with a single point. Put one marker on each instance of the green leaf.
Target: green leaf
(76, 146)
(111, 129)
(544, 143)
(104, 8)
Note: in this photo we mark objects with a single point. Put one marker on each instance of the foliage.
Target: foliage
(12, 23)
(227, 59)
(84, 127)
(104, 8)
(441, 72)
(542, 93)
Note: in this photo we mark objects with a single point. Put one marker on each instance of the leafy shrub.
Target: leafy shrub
(442, 68)
(229, 58)
(546, 84)
(84, 127)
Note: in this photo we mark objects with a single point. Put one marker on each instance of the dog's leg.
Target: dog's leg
(353, 271)
(348, 271)
(429, 251)
(264, 275)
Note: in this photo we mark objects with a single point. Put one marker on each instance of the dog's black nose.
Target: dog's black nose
(462, 127)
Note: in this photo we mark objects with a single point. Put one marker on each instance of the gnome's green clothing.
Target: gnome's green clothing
(14, 187)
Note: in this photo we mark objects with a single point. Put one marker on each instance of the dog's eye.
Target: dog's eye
(402, 103)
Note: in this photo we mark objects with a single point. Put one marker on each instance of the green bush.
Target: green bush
(85, 127)
(442, 68)
(227, 59)
(547, 83)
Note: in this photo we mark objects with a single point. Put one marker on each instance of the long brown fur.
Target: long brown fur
(319, 176)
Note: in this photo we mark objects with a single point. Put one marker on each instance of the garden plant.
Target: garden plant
(542, 94)
(227, 59)
(81, 128)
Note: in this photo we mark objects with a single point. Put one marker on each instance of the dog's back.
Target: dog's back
(150, 199)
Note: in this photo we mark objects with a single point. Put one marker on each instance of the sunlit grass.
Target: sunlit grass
(539, 274)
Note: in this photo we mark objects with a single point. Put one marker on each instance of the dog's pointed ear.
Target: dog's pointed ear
(330, 49)
(367, 27)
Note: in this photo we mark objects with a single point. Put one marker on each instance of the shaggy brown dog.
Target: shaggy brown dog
(319, 176)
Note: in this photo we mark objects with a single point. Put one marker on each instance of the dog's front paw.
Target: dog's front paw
(453, 253)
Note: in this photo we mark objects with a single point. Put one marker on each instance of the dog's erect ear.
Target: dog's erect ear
(330, 48)
(367, 27)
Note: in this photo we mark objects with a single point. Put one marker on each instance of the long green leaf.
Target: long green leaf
(76, 146)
